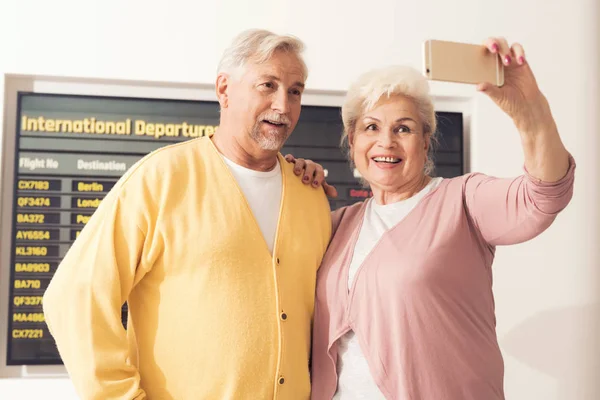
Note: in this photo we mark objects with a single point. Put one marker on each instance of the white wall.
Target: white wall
(547, 291)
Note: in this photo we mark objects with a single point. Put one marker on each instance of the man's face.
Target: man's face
(265, 99)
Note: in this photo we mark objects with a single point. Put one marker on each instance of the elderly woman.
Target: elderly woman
(404, 306)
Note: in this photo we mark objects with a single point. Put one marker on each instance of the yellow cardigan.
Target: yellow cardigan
(212, 314)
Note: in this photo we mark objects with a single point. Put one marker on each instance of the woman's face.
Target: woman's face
(388, 146)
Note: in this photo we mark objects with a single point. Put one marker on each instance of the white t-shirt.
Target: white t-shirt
(263, 194)
(354, 377)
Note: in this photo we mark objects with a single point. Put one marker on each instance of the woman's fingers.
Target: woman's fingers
(499, 45)
(330, 191)
(519, 53)
(299, 166)
(309, 172)
(319, 177)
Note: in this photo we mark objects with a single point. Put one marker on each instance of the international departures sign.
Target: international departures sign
(72, 149)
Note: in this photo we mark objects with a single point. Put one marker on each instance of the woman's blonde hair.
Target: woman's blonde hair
(396, 80)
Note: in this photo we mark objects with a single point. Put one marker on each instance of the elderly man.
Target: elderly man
(214, 243)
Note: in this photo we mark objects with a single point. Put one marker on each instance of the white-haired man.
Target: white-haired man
(214, 243)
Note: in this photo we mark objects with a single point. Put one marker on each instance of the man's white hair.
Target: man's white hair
(258, 45)
(373, 85)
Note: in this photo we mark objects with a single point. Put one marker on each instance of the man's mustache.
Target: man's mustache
(275, 118)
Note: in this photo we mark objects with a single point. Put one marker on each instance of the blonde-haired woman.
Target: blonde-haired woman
(404, 306)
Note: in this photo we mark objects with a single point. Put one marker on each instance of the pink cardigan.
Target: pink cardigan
(421, 304)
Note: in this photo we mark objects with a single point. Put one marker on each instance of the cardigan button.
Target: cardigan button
(281, 380)
(283, 316)
(277, 260)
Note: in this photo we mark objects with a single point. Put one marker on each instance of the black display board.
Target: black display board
(70, 151)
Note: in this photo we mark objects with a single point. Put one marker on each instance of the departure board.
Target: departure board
(70, 152)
